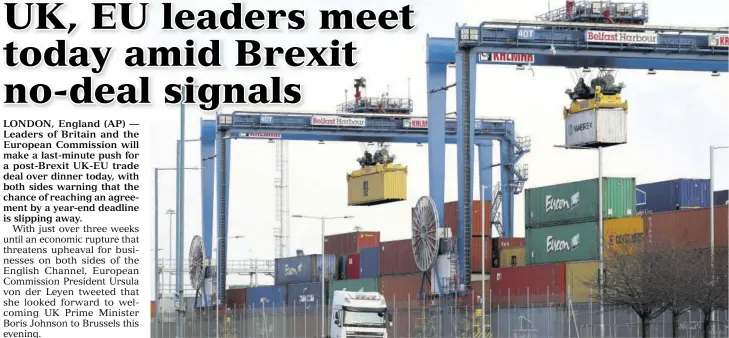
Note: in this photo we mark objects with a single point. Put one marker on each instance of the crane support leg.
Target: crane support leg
(436, 132)
(465, 115)
(485, 172)
(223, 179)
(507, 177)
(208, 129)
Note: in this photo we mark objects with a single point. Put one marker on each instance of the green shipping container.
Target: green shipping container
(578, 202)
(562, 243)
(365, 285)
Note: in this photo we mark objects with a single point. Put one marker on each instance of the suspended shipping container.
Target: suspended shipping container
(305, 297)
(353, 266)
(674, 195)
(721, 197)
(562, 243)
(377, 184)
(512, 257)
(235, 298)
(304, 269)
(593, 128)
(351, 242)
(476, 254)
(622, 234)
(261, 297)
(685, 229)
(510, 242)
(451, 218)
(535, 284)
(369, 263)
(398, 289)
(578, 202)
(355, 285)
(396, 258)
(580, 279)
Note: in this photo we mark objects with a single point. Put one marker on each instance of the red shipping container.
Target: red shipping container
(476, 289)
(685, 229)
(235, 298)
(353, 266)
(476, 254)
(537, 285)
(451, 218)
(398, 289)
(351, 242)
(396, 258)
(510, 242)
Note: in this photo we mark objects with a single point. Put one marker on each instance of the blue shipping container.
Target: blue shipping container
(673, 195)
(304, 269)
(369, 262)
(342, 265)
(305, 297)
(266, 297)
(721, 197)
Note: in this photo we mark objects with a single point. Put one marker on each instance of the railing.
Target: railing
(595, 9)
(375, 104)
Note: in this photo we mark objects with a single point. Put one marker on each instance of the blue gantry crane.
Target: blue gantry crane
(572, 41)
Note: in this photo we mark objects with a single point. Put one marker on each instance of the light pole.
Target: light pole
(171, 213)
(157, 295)
(601, 271)
(711, 221)
(323, 267)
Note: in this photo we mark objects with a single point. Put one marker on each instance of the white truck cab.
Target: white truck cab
(359, 315)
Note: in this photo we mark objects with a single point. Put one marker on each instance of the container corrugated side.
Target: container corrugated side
(305, 297)
(396, 258)
(685, 229)
(266, 297)
(304, 269)
(369, 263)
(235, 298)
(674, 195)
(451, 218)
(476, 255)
(622, 235)
(398, 289)
(512, 257)
(581, 278)
(604, 126)
(353, 266)
(578, 202)
(562, 243)
(350, 242)
(721, 197)
(541, 284)
(356, 285)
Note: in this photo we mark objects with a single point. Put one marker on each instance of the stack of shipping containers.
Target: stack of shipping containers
(562, 239)
(359, 257)
(480, 224)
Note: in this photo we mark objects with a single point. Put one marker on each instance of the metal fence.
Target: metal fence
(433, 319)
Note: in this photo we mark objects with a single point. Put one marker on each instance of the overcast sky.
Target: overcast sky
(673, 119)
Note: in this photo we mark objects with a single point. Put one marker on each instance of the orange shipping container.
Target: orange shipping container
(620, 234)
(476, 254)
(398, 289)
(451, 218)
(685, 229)
(351, 242)
(580, 278)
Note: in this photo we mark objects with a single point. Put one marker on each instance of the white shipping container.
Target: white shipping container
(589, 128)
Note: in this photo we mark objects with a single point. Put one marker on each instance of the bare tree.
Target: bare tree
(630, 280)
(673, 280)
(708, 284)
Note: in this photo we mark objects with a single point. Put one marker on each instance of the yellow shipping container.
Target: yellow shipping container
(620, 232)
(512, 257)
(377, 184)
(579, 277)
